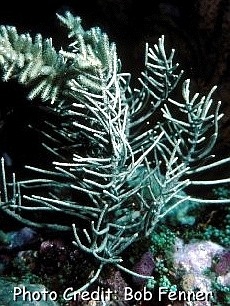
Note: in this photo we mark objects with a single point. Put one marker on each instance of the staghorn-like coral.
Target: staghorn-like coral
(123, 158)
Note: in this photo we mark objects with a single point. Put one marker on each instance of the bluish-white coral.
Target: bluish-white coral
(131, 152)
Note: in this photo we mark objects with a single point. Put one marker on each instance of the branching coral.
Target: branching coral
(130, 170)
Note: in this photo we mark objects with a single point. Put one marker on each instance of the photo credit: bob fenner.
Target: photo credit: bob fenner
(106, 294)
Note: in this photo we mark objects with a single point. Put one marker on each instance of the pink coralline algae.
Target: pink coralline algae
(195, 256)
(193, 260)
(116, 283)
(222, 266)
(144, 266)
